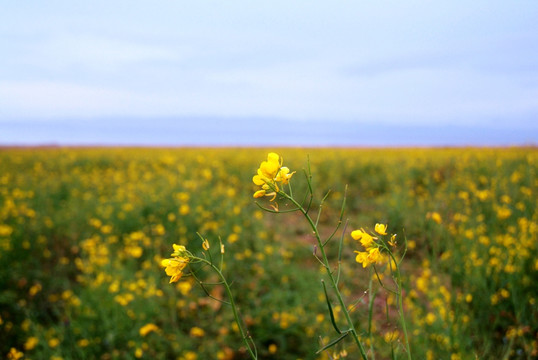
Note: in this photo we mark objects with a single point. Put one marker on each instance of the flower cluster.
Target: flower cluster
(372, 254)
(175, 265)
(269, 174)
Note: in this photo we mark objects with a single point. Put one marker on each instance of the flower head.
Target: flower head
(269, 174)
(392, 241)
(381, 229)
(174, 266)
(372, 254)
(366, 239)
(362, 258)
(146, 329)
(284, 175)
(15, 354)
(179, 250)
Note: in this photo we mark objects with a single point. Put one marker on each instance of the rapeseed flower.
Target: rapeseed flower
(269, 174)
(174, 266)
(31, 343)
(369, 257)
(146, 329)
(372, 253)
(15, 354)
(366, 239)
(362, 258)
(392, 241)
(197, 332)
(381, 229)
(5, 230)
(284, 175)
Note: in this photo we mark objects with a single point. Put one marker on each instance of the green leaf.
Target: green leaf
(333, 321)
(333, 342)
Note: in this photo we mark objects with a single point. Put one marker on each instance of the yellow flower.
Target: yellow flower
(35, 289)
(54, 342)
(270, 167)
(381, 229)
(374, 255)
(435, 216)
(284, 175)
(269, 174)
(146, 329)
(205, 244)
(179, 250)
(30, 343)
(259, 194)
(5, 230)
(259, 179)
(366, 258)
(197, 332)
(272, 349)
(190, 355)
(83, 342)
(174, 267)
(14, 354)
(184, 287)
(430, 318)
(362, 258)
(362, 236)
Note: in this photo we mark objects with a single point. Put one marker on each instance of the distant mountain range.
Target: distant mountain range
(255, 132)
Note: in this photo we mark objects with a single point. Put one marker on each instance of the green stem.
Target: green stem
(400, 305)
(329, 274)
(371, 298)
(251, 347)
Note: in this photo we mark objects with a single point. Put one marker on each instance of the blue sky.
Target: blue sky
(111, 72)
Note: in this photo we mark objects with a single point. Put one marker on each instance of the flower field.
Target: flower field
(84, 232)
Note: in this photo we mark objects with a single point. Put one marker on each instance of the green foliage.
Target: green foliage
(82, 233)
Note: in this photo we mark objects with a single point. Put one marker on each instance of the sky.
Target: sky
(351, 73)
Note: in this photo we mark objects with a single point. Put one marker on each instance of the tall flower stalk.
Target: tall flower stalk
(175, 266)
(272, 176)
(269, 176)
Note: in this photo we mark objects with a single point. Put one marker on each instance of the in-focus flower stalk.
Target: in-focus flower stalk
(269, 176)
(181, 257)
(376, 248)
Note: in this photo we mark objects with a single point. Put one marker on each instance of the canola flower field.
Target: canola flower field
(84, 232)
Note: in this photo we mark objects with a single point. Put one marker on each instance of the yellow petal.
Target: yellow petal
(178, 248)
(273, 157)
(357, 234)
(381, 229)
(269, 169)
(258, 180)
(259, 194)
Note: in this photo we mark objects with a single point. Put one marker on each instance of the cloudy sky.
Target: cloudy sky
(253, 72)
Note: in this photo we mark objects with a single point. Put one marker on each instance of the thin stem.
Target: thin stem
(400, 305)
(340, 246)
(251, 347)
(330, 275)
(320, 206)
(371, 298)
